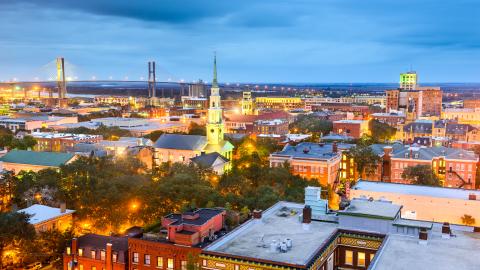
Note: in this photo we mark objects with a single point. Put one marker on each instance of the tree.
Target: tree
(196, 129)
(154, 135)
(381, 132)
(468, 220)
(51, 244)
(192, 262)
(8, 183)
(310, 124)
(14, 231)
(421, 175)
(28, 142)
(366, 160)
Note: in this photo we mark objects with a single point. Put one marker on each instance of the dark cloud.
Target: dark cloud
(342, 40)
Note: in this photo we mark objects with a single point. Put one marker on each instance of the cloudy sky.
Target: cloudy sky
(256, 40)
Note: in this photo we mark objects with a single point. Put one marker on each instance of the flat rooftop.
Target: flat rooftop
(279, 222)
(404, 253)
(376, 209)
(439, 192)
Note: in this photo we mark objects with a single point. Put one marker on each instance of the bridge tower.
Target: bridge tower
(151, 80)
(61, 84)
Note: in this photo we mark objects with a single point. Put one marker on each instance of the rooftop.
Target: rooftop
(51, 159)
(375, 209)
(311, 150)
(404, 253)
(208, 160)
(282, 221)
(204, 215)
(41, 213)
(182, 142)
(345, 121)
(439, 192)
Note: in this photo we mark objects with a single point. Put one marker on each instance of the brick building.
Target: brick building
(186, 234)
(353, 128)
(61, 142)
(455, 167)
(96, 252)
(311, 160)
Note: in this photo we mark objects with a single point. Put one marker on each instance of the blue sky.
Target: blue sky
(256, 41)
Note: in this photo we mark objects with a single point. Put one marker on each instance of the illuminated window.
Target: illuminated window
(94, 268)
(361, 259)
(102, 255)
(68, 250)
(114, 257)
(349, 257)
(160, 262)
(170, 263)
(147, 259)
(80, 267)
(93, 254)
(135, 257)
(184, 265)
(371, 257)
(80, 252)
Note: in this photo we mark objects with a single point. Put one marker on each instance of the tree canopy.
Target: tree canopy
(381, 132)
(310, 124)
(421, 175)
(366, 160)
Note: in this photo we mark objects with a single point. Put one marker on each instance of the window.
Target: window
(135, 257)
(349, 257)
(147, 259)
(114, 257)
(170, 263)
(102, 255)
(160, 262)
(184, 265)
(361, 259)
(80, 267)
(80, 252)
(93, 254)
(94, 268)
(371, 257)
(68, 250)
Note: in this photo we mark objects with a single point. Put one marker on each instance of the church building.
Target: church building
(183, 148)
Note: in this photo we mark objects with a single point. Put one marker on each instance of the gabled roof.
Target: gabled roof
(41, 213)
(52, 159)
(207, 160)
(181, 142)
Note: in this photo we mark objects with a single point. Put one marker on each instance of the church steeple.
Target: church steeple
(215, 122)
(215, 82)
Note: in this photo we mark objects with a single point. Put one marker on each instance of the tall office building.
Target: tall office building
(408, 80)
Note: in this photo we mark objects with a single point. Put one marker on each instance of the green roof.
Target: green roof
(51, 159)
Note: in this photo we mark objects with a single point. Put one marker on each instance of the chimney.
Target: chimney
(422, 236)
(74, 246)
(63, 207)
(307, 214)
(446, 230)
(257, 214)
(334, 147)
(387, 151)
(472, 197)
(109, 257)
(306, 217)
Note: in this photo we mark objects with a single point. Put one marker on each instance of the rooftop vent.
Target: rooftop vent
(306, 150)
(422, 236)
(446, 231)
